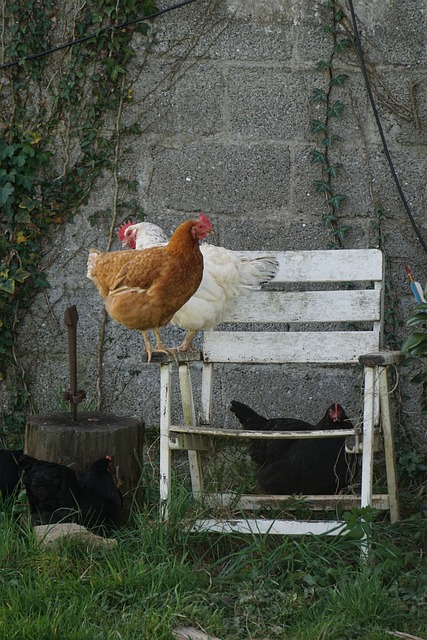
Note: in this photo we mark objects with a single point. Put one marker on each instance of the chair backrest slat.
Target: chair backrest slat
(334, 316)
(347, 265)
(307, 306)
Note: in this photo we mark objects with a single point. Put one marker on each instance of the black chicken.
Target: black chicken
(52, 490)
(100, 501)
(9, 471)
(55, 495)
(308, 466)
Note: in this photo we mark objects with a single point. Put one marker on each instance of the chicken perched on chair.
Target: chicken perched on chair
(309, 466)
(227, 275)
(144, 289)
(55, 495)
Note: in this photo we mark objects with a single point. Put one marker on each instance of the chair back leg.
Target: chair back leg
(368, 436)
(389, 454)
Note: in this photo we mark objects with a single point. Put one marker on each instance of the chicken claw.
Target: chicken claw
(187, 343)
(159, 348)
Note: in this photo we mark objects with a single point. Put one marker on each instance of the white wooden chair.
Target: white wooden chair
(357, 309)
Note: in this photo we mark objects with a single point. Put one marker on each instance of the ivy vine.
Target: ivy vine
(322, 127)
(56, 142)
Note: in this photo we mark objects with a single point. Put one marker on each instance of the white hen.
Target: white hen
(227, 275)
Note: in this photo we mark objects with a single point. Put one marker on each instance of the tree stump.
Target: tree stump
(56, 437)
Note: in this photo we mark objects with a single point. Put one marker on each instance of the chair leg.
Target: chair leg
(368, 436)
(189, 414)
(165, 421)
(377, 409)
(390, 459)
(206, 396)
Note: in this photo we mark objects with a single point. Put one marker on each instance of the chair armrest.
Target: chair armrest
(381, 358)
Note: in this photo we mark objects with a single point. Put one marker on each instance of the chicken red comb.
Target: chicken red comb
(108, 458)
(205, 220)
(336, 412)
(122, 229)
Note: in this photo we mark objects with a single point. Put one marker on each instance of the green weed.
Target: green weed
(159, 576)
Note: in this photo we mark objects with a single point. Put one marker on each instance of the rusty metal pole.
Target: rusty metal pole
(72, 396)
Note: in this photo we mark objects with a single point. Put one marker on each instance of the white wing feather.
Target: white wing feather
(227, 275)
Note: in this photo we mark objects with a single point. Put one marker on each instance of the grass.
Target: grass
(234, 587)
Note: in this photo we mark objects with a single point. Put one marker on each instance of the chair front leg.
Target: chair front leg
(189, 413)
(165, 422)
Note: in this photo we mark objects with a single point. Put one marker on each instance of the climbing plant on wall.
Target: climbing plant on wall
(331, 107)
(61, 129)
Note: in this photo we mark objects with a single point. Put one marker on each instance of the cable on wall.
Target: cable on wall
(380, 128)
(95, 34)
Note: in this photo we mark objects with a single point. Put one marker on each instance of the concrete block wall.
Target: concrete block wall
(224, 105)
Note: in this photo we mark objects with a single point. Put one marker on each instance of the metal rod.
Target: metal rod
(72, 396)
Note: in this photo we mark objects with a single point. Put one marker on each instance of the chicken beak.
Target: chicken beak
(209, 232)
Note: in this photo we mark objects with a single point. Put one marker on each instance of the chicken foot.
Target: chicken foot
(159, 348)
(187, 343)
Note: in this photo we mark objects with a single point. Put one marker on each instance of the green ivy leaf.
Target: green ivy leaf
(5, 193)
(322, 186)
(328, 220)
(342, 45)
(25, 180)
(336, 200)
(21, 275)
(336, 109)
(319, 95)
(329, 29)
(143, 28)
(317, 126)
(20, 160)
(7, 150)
(40, 281)
(338, 80)
(27, 203)
(22, 216)
(317, 157)
(323, 64)
(8, 286)
(341, 232)
(328, 141)
(332, 170)
(338, 15)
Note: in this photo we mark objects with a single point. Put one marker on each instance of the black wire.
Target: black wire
(96, 34)
(380, 128)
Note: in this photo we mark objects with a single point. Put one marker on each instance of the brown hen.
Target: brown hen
(143, 289)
